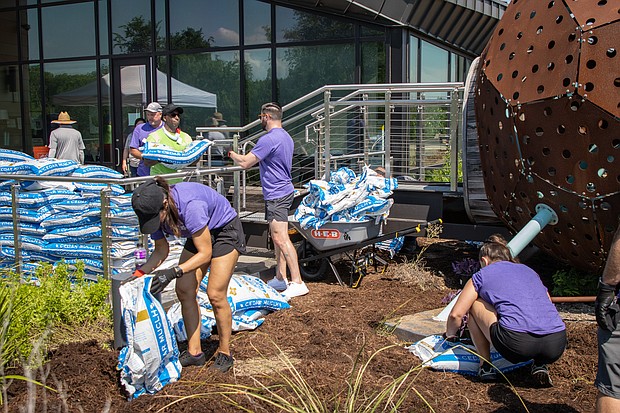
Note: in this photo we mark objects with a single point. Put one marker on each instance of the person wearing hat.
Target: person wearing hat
(66, 142)
(215, 238)
(170, 135)
(140, 133)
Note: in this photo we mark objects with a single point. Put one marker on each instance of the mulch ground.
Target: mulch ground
(326, 336)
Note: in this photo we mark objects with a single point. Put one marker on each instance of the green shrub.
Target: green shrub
(53, 298)
(567, 283)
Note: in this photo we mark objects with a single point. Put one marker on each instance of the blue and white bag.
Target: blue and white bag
(150, 360)
(440, 354)
(172, 158)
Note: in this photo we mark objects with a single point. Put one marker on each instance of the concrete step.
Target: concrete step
(414, 327)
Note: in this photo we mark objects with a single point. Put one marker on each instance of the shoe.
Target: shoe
(295, 290)
(222, 363)
(487, 373)
(541, 375)
(277, 284)
(187, 359)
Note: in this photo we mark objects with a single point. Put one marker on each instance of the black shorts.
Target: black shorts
(517, 347)
(277, 209)
(223, 240)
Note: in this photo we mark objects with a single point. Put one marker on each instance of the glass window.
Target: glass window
(34, 123)
(294, 25)
(160, 18)
(257, 22)
(60, 25)
(198, 79)
(366, 31)
(434, 63)
(373, 62)
(257, 81)
(8, 27)
(131, 26)
(30, 34)
(303, 69)
(72, 87)
(414, 44)
(104, 44)
(10, 112)
(218, 25)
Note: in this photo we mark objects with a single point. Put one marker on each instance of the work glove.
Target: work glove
(161, 278)
(226, 151)
(604, 306)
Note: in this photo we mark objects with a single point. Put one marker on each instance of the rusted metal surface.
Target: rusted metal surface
(552, 135)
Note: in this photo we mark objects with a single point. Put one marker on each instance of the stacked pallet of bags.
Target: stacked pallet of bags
(61, 221)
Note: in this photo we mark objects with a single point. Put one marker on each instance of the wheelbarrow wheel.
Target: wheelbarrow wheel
(313, 270)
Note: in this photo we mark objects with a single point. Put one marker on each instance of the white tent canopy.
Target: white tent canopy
(133, 88)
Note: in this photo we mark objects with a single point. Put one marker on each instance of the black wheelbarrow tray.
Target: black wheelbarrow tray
(348, 238)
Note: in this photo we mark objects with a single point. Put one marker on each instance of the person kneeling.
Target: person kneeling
(510, 308)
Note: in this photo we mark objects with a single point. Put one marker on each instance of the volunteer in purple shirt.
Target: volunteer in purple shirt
(215, 239)
(153, 113)
(274, 154)
(509, 307)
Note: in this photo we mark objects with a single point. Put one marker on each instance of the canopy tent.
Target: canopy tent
(133, 88)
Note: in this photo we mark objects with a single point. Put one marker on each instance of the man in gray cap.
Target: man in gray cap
(141, 132)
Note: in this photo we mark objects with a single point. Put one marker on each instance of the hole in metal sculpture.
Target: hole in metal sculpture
(566, 154)
(602, 173)
(546, 151)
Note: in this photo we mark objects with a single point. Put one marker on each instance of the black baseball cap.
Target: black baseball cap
(147, 201)
(170, 108)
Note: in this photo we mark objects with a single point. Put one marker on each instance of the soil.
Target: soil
(320, 338)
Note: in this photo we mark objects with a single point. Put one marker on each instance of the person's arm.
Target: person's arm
(466, 299)
(52, 145)
(159, 255)
(245, 161)
(611, 273)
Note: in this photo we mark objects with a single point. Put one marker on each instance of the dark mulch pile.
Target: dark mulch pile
(322, 335)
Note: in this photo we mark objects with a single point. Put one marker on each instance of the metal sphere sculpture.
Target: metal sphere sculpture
(548, 113)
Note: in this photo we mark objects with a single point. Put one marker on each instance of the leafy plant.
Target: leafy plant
(567, 283)
(465, 268)
(53, 298)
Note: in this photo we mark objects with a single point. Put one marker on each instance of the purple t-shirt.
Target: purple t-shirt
(140, 133)
(274, 150)
(199, 206)
(519, 297)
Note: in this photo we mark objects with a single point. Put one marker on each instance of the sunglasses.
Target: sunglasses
(174, 115)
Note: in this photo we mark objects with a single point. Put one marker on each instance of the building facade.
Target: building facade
(102, 61)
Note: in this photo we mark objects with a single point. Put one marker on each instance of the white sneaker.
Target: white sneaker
(295, 290)
(277, 284)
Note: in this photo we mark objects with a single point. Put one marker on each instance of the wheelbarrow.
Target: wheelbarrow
(355, 240)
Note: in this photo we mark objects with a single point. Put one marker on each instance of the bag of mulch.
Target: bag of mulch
(96, 171)
(14, 156)
(440, 354)
(150, 360)
(172, 158)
